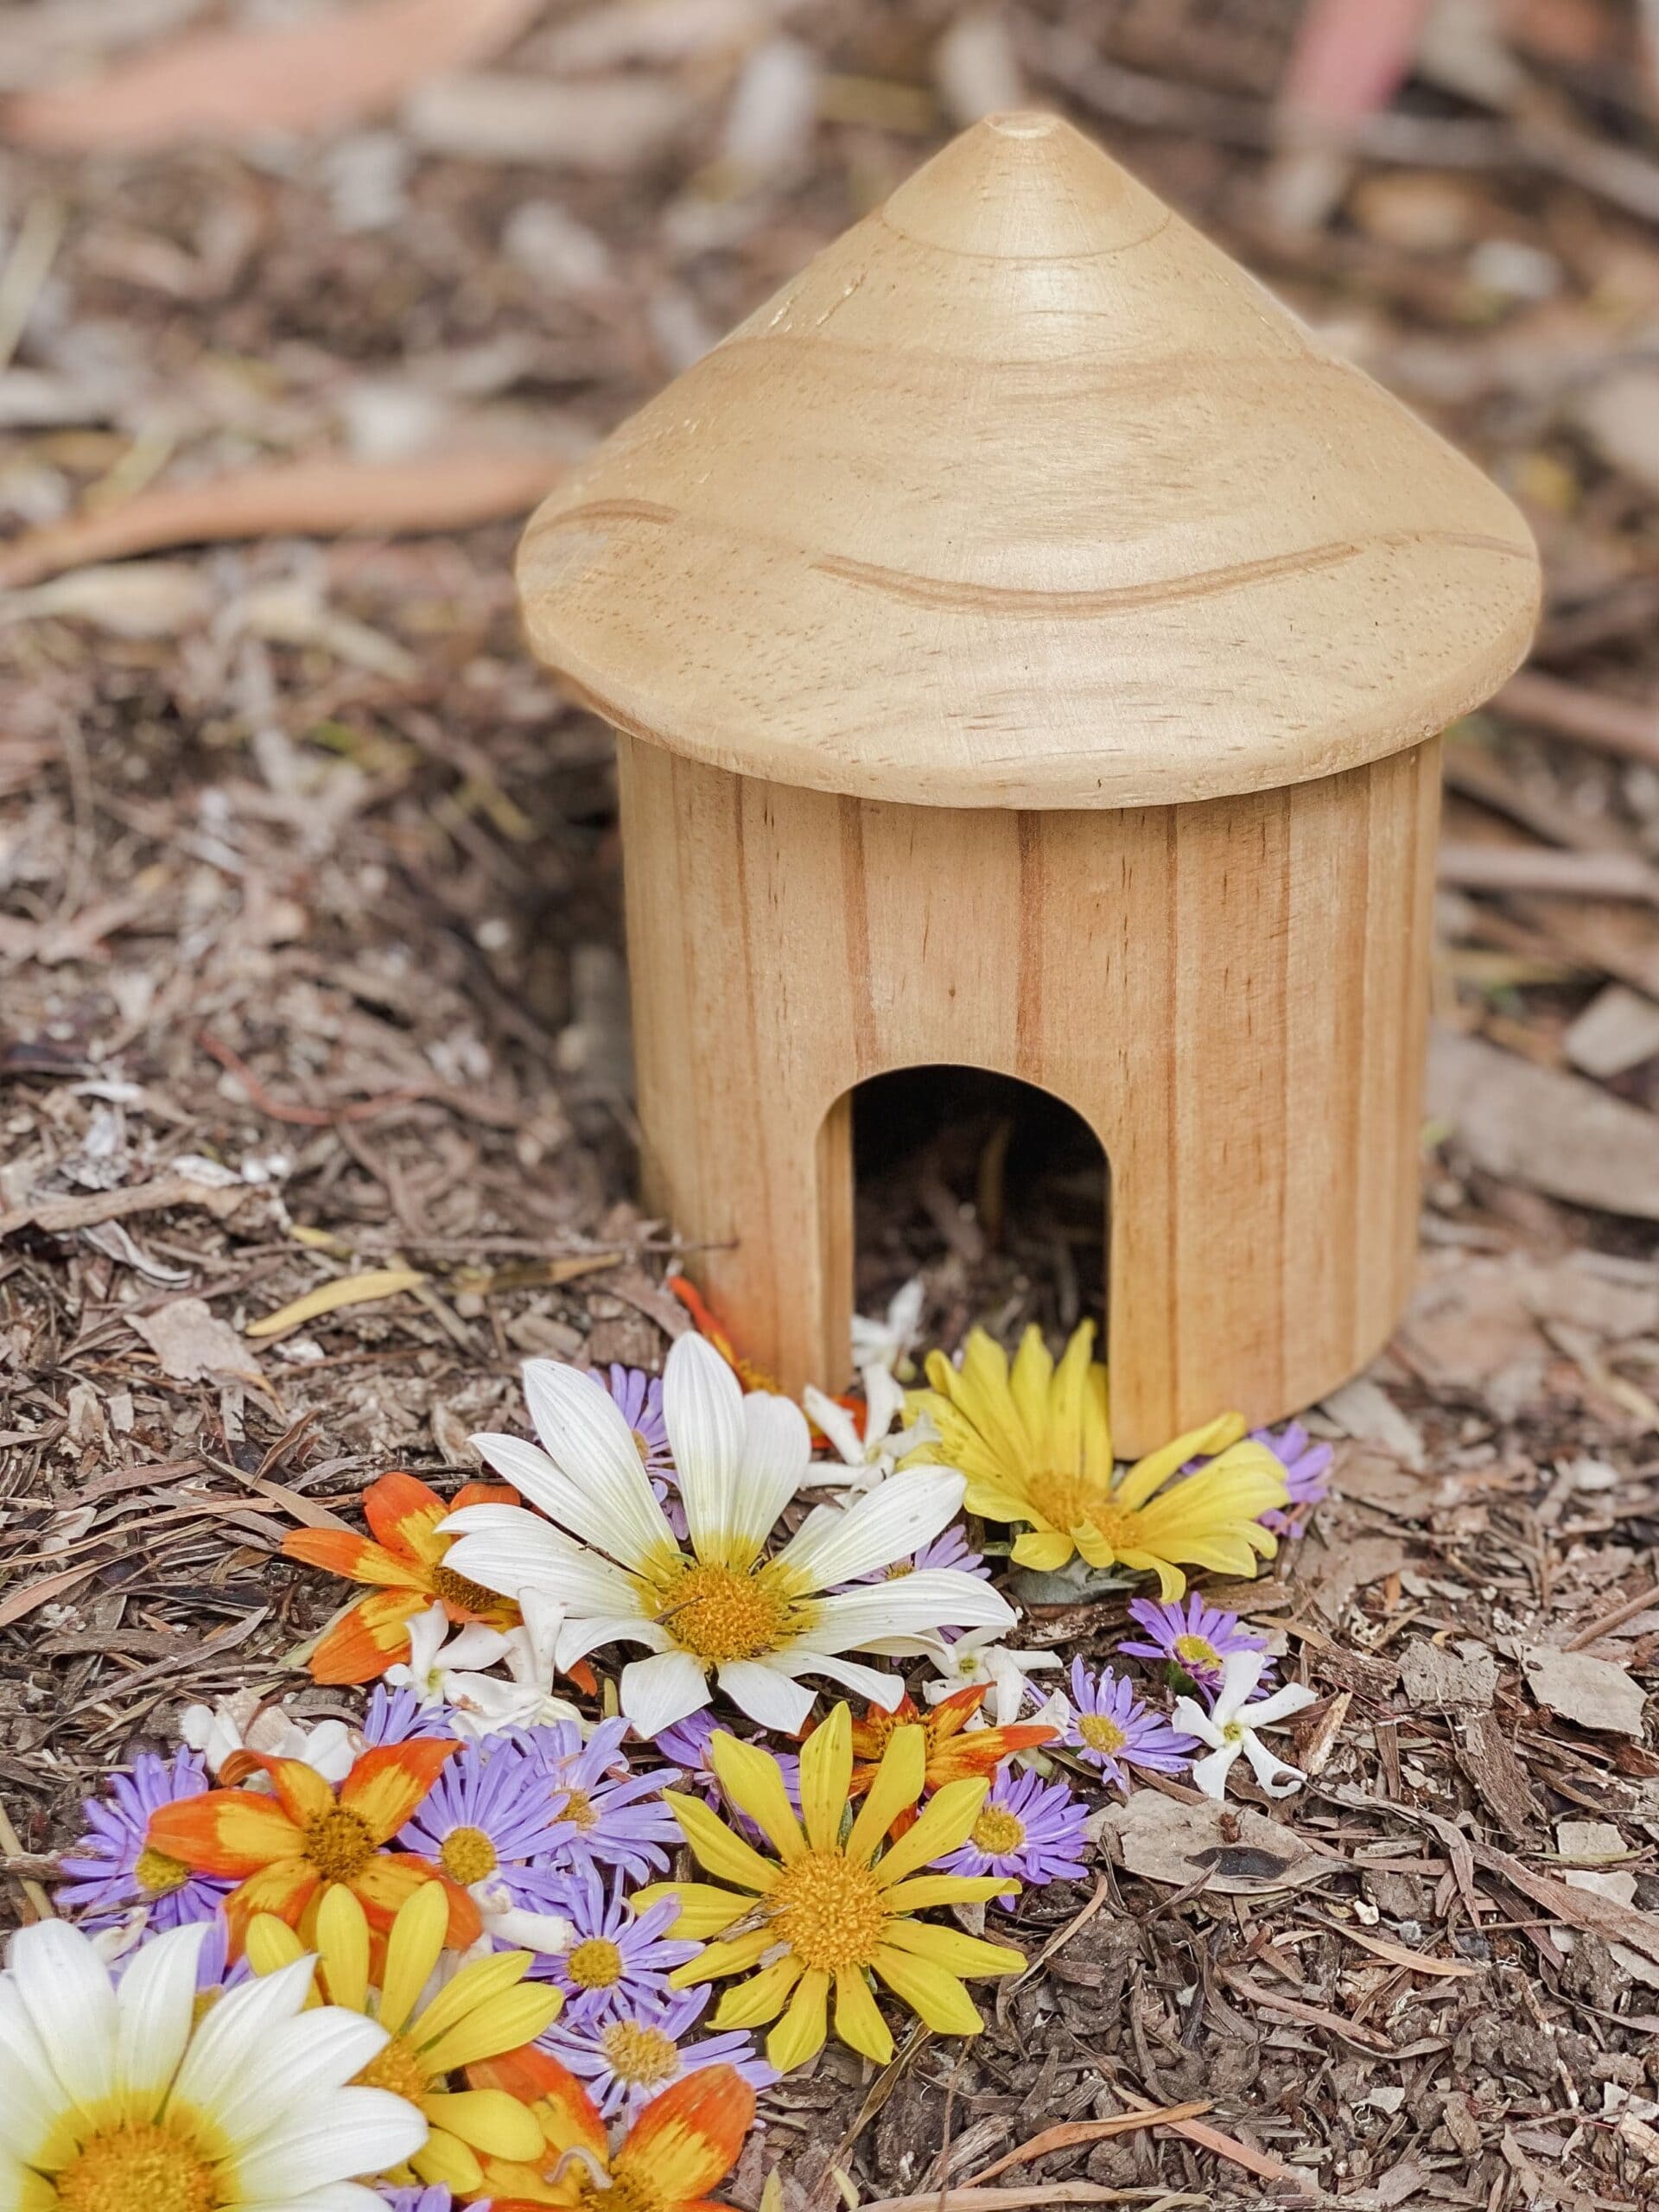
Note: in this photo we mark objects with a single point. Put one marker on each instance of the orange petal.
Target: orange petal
(688, 2136)
(982, 1751)
(405, 1514)
(392, 1878)
(300, 1790)
(570, 2118)
(284, 1887)
(337, 1551)
(387, 1783)
(484, 1494)
(954, 1712)
(232, 1833)
(373, 1637)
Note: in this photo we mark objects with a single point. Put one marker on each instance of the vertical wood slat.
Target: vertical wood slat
(1231, 993)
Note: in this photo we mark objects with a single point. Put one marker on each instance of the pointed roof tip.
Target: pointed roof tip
(1025, 185)
(1023, 494)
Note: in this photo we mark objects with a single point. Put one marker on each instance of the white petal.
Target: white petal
(1268, 1712)
(932, 1597)
(591, 1480)
(1210, 1774)
(473, 1646)
(580, 1636)
(656, 1692)
(885, 1690)
(426, 1633)
(837, 1424)
(337, 2196)
(1240, 1673)
(884, 1400)
(767, 1694)
(1276, 1776)
(776, 1452)
(532, 1556)
(307, 2060)
(1192, 1720)
(30, 2097)
(227, 2050)
(157, 2003)
(702, 1411)
(544, 1618)
(353, 2132)
(65, 1990)
(887, 1524)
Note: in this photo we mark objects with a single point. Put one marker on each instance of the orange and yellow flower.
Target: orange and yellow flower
(286, 1852)
(683, 2143)
(955, 1751)
(403, 1565)
(710, 1325)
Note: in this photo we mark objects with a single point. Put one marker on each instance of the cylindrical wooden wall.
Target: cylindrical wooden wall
(1232, 994)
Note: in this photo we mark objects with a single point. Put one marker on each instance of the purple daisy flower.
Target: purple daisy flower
(488, 1819)
(1192, 1636)
(950, 1548)
(1028, 1829)
(112, 1873)
(1306, 1466)
(630, 2056)
(605, 1816)
(1114, 1729)
(686, 1742)
(398, 1717)
(638, 1398)
(617, 1958)
(437, 2198)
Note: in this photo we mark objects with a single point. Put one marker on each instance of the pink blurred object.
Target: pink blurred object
(1351, 57)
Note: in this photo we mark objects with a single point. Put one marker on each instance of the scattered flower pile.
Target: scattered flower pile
(608, 1846)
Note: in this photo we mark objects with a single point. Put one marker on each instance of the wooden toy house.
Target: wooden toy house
(1029, 649)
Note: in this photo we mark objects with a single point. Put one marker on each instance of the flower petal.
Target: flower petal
(352, 2132)
(386, 1786)
(65, 1988)
(897, 1787)
(509, 1549)
(932, 1992)
(702, 1410)
(156, 2002)
(800, 2034)
(1210, 1774)
(230, 1833)
(661, 1689)
(859, 2023)
(932, 1598)
(889, 1522)
(756, 1782)
(705, 1910)
(769, 1695)
(713, 1844)
(753, 2003)
(594, 1482)
(945, 1823)
(686, 2138)
(826, 1778)
(777, 1449)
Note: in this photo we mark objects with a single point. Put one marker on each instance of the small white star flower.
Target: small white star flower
(483, 1705)
(869, 1458)
(434, 1663)
(980, 1657)
(1231, 1725)
(887, 1342)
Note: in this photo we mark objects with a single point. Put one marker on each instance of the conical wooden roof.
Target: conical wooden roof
(1023, 494)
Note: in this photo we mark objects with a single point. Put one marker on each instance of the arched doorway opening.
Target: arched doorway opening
(996, 1191)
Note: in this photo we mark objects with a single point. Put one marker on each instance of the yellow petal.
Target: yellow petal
(762, 1997)
(1157, 1467)
(947, 1819)
(898, 1786)
(466, 1992)
(1067, 1402)
(950, 1948)
(1047, 1550)
(800, 2034)
(714, 1845)
(826, 1777)
(923, 1890)
(487, 2120)
(343, 1947)
(704, 1910)
(858, 2019)
(735, 1957)
(1096, 1428)
(754, 1782)
(516, 2017)
(445, 2158)
(412, 1949)
(272, 1943)
(935, 1996)
(1030, 1386)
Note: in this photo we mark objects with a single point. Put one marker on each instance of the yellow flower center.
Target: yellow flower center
(717, 1614)
(467, 1856)
(158, 1876)
(397, 2069)
(1101, 1734)
(997, 1831)
(829, 1910)
(338, 1844)
(1196, 1651)
(1232, 1732)
(136, 2166)
(466, 1597)
(578, 1808)
(595, 1964)
(1073, 1501)
(639, 2056)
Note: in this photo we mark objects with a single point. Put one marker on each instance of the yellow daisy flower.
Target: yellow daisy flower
(481, 2012)
(833, 1908)
(1035, 1445)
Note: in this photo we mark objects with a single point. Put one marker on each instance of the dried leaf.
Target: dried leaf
(193, 1345)
(600, 125)
(1243, 1853)
(1618, 1030)
(312, 77)
(330, 1297)
(327, 497)
(1590, 1692)
(1431, 1675)
(1552, 1132)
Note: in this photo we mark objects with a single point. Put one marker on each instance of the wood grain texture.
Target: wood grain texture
(1023, 495)
(1231, 993)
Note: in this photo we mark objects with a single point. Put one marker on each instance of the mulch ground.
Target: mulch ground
(309, 926)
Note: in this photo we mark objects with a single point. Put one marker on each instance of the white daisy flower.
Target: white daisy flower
(113, 2098)
(887, 1342)
(871, 1458)
(727, 1610)
(1231, 1724)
